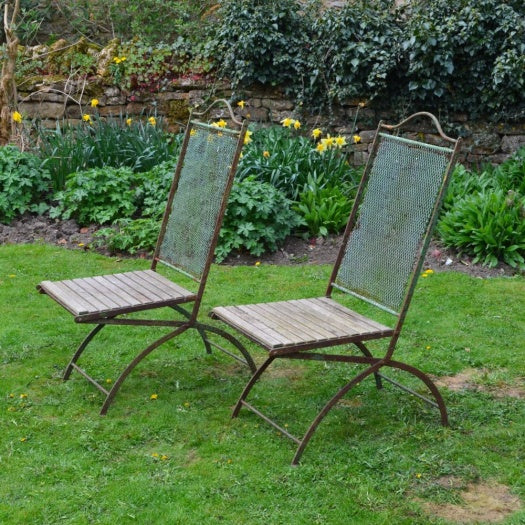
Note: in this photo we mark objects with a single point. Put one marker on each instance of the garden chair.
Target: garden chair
(186, 244)
(381, 256)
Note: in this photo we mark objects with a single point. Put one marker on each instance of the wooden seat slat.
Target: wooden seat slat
(136, 281)
(80, 288)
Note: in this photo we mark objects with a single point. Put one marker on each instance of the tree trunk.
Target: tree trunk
(8, 92)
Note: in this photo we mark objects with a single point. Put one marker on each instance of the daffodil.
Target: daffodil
(328, 141)
(94, 102)
(266, 154)
(154, 397)
(129, 121)
(193, 132)
(316, 133)
(17, 117)
(248, 136)
(287, 122)
(241, 104)
(152, 121)
(321, 147)
(340, 141)
(357, 139)
(296, 124)
(86, 118)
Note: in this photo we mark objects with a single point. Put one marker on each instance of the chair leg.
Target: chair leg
(322, 414)
(250, 384)
(367, 353)
(81, 349)
(116, 386)
(187, 314)
(440, 403)
(248, 361)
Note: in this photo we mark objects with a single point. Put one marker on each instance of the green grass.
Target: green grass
(374, 460)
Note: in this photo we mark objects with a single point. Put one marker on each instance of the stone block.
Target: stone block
(53, 110)
(510, 144)
(277, 105)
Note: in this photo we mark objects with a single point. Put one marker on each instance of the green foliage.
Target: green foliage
(291, 160)
(98, 195)
(466, 54)
(23, 183)
(257, 219)
(130, 235)
(139, 146)
(484, 214)
(324, 209)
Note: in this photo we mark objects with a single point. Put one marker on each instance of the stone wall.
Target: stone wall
(51, 100)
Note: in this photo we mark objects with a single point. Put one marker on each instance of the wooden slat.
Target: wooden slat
(157, 277)
(76, 305)
(77, 287)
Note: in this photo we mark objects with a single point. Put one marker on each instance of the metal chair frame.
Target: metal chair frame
(293, 329)
(148, 290)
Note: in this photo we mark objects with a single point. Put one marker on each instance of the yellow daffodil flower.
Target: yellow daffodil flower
(296, 124)
(94, 102)
(287, 122)
(152, 121)
(316, 133)
(129, 121)
(340, 141)
(86, 118)
(266, 154)
(222, 123)
(321, 147)
(241, 104)
(357, 139)
(248, 136)
(17, 117)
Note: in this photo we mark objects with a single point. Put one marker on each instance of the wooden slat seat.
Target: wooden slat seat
(114, 294)
(285, 324)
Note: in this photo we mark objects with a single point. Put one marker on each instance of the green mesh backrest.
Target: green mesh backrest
(196, 205)
(405, 181)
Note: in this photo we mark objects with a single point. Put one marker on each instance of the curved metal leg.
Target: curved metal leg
(365, 351)
(235, 342)
(80, 349)
(328, 407)
(116, 386)
(187, 314)
(250, 384)
(430, 384)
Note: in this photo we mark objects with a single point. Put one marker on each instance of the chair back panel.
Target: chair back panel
(196, 204)
(404, 184)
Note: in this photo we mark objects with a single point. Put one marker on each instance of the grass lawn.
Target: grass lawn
(381, 457)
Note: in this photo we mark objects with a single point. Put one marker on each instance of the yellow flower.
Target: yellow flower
(427, 347)
(80, 244)
(418, 475)
(340, 141)
(321, 147)
(328, 141)
(316, 133)
(248, 136)
(94, 102)
(222, 123)
(155, 455)
(17, 117)
(266, 154)
(117, 60)
(86, 118)
(241, 104)
(109, 380)
(11, 396)
(193, 132)
(258, 263)
(23, 439)
(186, 404)
(152, 121)
(154, 396)
(287, 122)
(357, 139)
(129, 121)
(23, 396)
(164, 457)
(296, 124)
(122, 59)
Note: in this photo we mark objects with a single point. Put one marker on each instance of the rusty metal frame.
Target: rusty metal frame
(190, 315)
(372, 364)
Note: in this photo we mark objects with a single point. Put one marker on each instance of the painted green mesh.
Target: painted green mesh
(404, 182)
(197, 201)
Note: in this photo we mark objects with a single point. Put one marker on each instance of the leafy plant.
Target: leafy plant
(130, 235)
(489, 225)
(257, 219)
(287, 160)
(23, 183)
(138, 145)
(324, 209)
(99, 195)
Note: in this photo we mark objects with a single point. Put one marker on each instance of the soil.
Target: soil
(295, 250)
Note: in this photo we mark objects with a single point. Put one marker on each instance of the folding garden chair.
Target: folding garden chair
(189, 231)
(383, 249)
